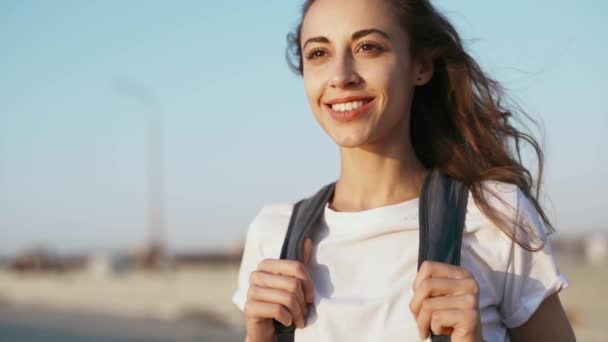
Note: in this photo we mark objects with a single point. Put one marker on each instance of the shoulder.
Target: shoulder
(512, 205)
(272, 217)
(497, 248)
(268, 228)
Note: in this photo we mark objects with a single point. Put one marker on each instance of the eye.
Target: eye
(370, 47)
(316, 54)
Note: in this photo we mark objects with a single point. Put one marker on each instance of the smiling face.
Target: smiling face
(358, 73)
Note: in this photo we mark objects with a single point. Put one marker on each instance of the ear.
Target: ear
(423, 70)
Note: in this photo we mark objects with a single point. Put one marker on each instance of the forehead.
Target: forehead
(336, 18)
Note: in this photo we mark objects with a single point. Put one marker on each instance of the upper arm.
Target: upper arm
(531, 280)
(548, 323)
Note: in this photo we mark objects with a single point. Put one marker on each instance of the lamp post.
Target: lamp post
(154, 159)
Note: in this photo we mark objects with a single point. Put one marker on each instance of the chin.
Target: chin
(349, 139)
(350, 135)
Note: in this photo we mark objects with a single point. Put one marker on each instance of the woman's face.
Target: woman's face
(357, 71)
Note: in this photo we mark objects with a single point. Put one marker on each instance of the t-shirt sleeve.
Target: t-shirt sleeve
(263, 240)
(252, 256)
(530, 277)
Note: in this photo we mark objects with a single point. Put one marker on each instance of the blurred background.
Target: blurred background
(138, 139)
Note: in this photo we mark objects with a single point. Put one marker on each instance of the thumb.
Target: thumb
(307, 250)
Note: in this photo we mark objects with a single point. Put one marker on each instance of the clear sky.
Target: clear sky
(238, 132)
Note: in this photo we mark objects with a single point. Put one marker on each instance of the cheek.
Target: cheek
(396, 79)
(389, 81)
(398, 88)
(314, 90)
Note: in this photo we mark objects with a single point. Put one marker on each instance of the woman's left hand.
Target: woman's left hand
(446, 301)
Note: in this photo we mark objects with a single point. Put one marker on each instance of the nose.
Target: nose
(343, 73)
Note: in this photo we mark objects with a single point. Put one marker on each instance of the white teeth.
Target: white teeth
(341, 107)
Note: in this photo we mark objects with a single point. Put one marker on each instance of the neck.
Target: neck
(377, 175)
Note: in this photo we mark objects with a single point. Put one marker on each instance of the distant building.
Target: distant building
(43, 259)
(596, 248)
(104, 265)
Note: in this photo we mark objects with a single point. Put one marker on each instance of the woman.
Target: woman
(390, 83)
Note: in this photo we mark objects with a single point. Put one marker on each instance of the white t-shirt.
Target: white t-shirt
(363, 265)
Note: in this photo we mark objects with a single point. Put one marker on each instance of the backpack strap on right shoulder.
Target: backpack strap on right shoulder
(306, 213)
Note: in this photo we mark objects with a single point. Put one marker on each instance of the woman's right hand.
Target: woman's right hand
(281, 290)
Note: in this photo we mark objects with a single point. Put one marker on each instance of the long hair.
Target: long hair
(460, 123)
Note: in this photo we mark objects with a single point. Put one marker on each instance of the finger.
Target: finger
(286, 283)
(430, 306)
(460, 324)
(434, 287)
(290, 268)
(257, 310)
(281, 282)
(434, 269)
(287, 299)
(440, 329)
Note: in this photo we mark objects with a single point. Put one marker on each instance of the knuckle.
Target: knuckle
(474, 313)
(426, 285)
(471, 301)
(251, 291)
(466, 272)
(475, 288)
(293, 302)
(255, 292)
(436, 317)
(277, 311)
(253, 277)
(294, 285)
(425, 308)
(249, 310)
(262, 264)
(285, 315)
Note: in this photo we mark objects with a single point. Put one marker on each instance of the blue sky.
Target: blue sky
(237, 130)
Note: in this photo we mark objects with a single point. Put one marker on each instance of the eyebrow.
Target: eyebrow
(355, 36)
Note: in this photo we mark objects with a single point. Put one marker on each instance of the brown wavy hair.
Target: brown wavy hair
(460, 123)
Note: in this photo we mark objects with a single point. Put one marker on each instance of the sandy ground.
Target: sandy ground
(35, 324)
(196, 293)
(203, 294)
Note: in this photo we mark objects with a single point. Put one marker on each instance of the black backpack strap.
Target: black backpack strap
(442, 211)
(303, 219)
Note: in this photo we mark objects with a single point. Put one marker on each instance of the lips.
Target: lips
(349, 99)
(348, 109)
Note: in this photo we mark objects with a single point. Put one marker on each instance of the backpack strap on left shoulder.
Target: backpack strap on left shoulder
(442, 212)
